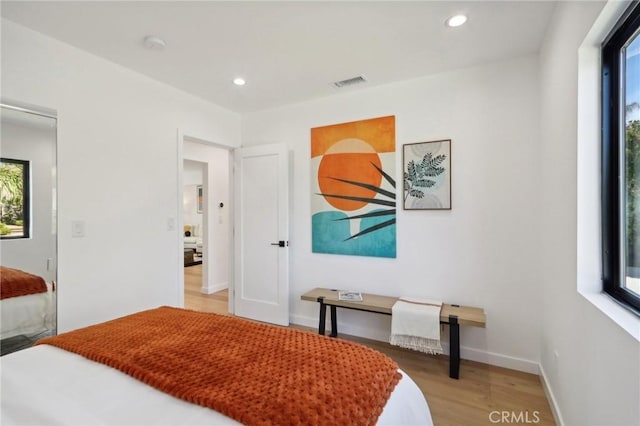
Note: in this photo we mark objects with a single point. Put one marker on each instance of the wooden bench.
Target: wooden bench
(453, 315)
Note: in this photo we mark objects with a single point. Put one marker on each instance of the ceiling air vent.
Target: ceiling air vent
(350, 81)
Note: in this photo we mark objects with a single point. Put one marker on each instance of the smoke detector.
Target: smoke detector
(154, 43)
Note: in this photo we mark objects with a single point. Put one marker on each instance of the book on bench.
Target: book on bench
(353, 296)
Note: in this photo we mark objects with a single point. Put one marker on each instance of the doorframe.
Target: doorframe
(181, 138)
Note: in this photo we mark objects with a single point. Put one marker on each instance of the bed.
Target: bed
(81, 391)
(27, 303)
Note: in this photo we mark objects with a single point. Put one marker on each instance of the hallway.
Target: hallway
(195, 300)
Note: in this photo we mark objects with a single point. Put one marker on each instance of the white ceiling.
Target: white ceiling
(288, 51)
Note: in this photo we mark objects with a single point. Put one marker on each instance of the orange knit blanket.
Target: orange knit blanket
(14, 283)
(255, 373)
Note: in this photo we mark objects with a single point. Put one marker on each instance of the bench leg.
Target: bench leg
(323, 316)
(454, 347)
(334, 322)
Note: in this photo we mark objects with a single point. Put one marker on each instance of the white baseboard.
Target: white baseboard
(499, 360)
(553, 403)
(472, 354)
(213, 288)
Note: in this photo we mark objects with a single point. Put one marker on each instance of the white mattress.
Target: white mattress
(45, 385)
(30, 314)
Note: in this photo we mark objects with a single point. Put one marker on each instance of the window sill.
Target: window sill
(617, 313)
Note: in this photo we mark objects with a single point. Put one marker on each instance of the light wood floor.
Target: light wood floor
(481, 390)
(194, 299)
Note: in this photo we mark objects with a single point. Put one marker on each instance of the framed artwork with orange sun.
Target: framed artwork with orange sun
(353, 188)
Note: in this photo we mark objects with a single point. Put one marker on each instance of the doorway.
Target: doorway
(206, 225)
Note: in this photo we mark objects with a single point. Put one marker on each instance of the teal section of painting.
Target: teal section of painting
(331, 233)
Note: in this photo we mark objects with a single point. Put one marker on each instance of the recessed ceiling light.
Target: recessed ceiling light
(239, 81)
(456, 21)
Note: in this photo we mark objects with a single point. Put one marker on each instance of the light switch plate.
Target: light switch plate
(78, 229)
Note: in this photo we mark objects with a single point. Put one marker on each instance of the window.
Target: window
(14, 198)
(621, 160)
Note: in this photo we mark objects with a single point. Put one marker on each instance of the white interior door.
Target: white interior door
(261, 233)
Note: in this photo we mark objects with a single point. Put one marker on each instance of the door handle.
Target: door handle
(280, 243)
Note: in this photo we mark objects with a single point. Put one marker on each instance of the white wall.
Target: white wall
(190, 215)
(215, 219)
(484, 252)
(36, 143)
(117, 162)
(192, 173)
(191, 178)
(595, 377)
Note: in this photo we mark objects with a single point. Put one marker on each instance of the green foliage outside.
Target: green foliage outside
(11, 179)
(4, 229)
(632, 154)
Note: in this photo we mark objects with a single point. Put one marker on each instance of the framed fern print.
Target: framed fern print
(427, 175)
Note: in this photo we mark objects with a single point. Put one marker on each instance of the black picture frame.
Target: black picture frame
(25, 180)
(427, 175)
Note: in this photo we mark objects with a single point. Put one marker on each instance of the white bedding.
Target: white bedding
(45, 385)
(27, 315)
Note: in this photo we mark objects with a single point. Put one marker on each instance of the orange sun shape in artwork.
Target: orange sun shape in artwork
(349, 160)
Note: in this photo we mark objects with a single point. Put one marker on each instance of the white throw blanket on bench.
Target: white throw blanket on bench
(415, 324)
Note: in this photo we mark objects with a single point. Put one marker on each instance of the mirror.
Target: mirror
(28, 227)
